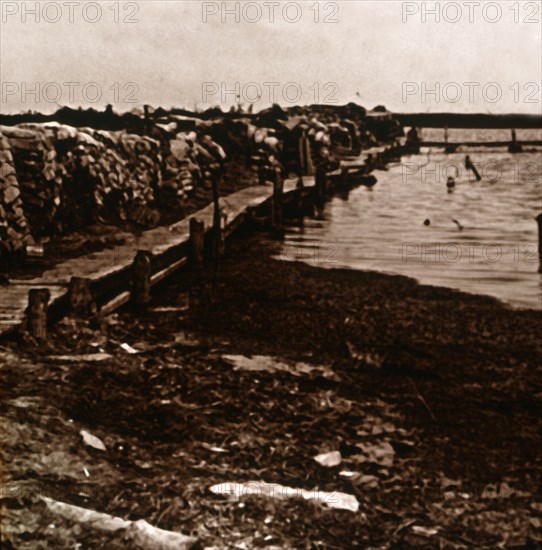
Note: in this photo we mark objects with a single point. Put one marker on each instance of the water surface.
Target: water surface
(481, 237)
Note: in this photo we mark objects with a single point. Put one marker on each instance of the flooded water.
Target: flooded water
(479, 237)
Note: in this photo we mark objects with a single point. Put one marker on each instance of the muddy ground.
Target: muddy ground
(432, 397)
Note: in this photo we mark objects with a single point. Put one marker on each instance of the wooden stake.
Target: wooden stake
(320, 183)
(218, 242)
(80, 298)
(539, 222)
(141, 283)
(197, 243)
(36, 312)
(278, 188)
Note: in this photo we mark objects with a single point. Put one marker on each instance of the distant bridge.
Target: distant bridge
(453, 146)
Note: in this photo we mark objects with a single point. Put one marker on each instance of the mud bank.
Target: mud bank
(433, 399)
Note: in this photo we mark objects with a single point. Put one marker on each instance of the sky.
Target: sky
(477, 57)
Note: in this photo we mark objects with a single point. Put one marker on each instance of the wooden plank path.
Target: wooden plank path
(110, 272)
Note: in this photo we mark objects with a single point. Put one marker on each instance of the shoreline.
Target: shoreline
(451, 381)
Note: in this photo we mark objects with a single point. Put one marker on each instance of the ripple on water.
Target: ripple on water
(491, 247)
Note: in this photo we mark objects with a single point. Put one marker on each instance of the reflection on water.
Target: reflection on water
(479, 237)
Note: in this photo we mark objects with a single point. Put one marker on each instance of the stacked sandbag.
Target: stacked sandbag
(265, 145)
(192, 158)
(182, 173)
(142, 178)
(39, 175)
(110, 176)
(70, 178)
(14, 229)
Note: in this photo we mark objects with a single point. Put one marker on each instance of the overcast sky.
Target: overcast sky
(168, 55)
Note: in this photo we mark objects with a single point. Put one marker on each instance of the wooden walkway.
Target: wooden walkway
(108, 272)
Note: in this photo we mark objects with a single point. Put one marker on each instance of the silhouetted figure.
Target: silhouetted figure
(459, 226)
(514, 146)
(470, 166)
(412, 136)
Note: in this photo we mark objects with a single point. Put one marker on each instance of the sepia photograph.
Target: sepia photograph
(271, 275)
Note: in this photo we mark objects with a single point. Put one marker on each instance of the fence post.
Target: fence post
(539, 222)
(141, 281)
(278, 189)
(36, 312)
(197, 243)
(80, 298)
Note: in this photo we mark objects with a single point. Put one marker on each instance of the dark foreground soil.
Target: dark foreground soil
(433, 398)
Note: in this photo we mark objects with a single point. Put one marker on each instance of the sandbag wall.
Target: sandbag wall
(56, 178)
(14, 228)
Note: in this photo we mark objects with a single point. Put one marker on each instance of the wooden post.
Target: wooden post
(197, 243)
(514, 146)
(539, 222)
(141, 282)
(36, 312)
(305, 155)
(320, 183)
(218, 243)
(147, 120)
(301, 151)
(80, 298)
(278, 188)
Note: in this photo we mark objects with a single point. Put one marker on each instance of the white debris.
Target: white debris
(272, 364)
(128, 348)
(92, 441)
(270, 491)
(90, 357)
(380, 453)
(423, 531)
(139, 534)
(329, 459)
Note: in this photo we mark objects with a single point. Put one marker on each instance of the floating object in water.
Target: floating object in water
(459, 226)
(450, 183)
(427, 222)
